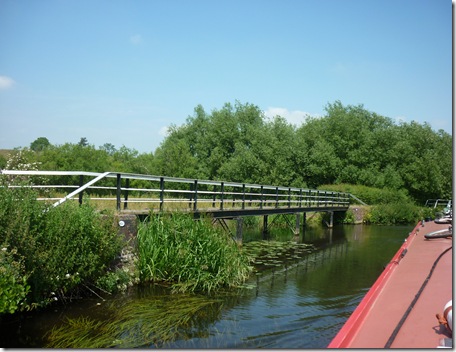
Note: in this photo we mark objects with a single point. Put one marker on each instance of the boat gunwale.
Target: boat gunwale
(354, 322)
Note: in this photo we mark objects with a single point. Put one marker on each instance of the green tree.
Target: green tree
(349, 145)
(109, 148)
(174, 158)
(423, 160)
(83, 142)
(40, 144)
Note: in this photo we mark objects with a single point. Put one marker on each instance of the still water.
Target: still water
(300, 305)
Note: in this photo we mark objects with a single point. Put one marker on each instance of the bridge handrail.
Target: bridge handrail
(295, 196)
(438, 202)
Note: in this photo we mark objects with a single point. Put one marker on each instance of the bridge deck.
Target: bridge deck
(233, 213)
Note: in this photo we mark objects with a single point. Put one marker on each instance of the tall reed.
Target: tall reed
(189, 255)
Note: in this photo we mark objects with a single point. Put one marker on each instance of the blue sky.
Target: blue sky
(121, 71)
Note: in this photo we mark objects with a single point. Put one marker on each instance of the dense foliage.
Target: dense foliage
(388, 206)
(47, 253)
(349, 145)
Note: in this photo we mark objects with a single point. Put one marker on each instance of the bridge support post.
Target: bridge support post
(81, 183)
(265, 227)
(304, 221)
(127, 186)
(297, 227)
(331, 219)
(118, 192)
(239, 222)
(162, 189)
(195, 196)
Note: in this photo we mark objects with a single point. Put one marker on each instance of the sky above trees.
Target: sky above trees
(121, 72)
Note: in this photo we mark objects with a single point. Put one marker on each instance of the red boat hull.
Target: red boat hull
(399, 311)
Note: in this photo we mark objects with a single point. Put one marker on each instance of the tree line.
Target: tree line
(348, 145)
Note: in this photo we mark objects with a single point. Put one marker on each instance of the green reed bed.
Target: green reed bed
(190, 255)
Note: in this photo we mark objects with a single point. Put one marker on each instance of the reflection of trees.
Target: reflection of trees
(368, 250)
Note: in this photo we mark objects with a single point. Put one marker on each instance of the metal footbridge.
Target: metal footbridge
(141, 194)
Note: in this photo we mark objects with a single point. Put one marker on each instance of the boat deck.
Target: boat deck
(399, 310)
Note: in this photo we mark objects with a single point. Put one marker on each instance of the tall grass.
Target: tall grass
(189, 255)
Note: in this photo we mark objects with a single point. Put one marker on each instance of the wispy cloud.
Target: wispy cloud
(295, 117)
(400, 119)
(164, 131)
(136, 39)
(6, 82)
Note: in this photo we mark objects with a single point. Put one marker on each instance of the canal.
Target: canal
(300, 304)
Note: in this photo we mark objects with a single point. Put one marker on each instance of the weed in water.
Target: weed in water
(143, 322)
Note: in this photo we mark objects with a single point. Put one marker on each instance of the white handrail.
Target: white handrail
(80, 189)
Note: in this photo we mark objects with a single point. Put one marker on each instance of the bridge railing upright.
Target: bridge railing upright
(169, 193)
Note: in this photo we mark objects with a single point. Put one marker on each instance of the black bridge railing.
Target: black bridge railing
(171, 193)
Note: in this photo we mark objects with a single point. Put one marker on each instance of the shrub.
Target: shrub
(369, 195)
(58, 248)
(395, 213)
(190, 255)
(74, 246)
(13, 282)
(114, 281)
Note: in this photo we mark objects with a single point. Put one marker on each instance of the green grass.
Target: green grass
(189, 255)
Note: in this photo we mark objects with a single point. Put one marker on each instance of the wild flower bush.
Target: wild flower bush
(76, 244)
(189, 255)
(59, 248)
(119, 278)
(13, 282)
